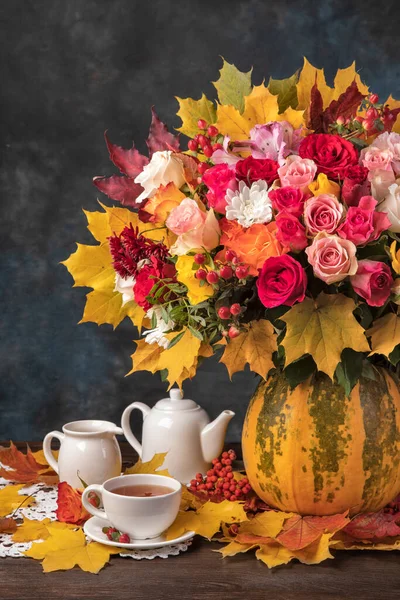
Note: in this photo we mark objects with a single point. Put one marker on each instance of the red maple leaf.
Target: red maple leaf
(159, 137)
(346, 106)
(120, 188)
(24, 468)
(373, 525)
(129, 161)
(299, 532)
(315, 110)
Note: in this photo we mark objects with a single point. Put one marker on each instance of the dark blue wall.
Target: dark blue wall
(73, 68)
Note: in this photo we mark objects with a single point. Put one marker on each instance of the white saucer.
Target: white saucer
(93, 528)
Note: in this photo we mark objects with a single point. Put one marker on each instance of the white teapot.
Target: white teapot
(181, 428)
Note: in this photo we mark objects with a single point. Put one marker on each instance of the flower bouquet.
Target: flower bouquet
(269, 237)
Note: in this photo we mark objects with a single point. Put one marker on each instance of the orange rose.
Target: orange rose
(69, 505)
(253, 245)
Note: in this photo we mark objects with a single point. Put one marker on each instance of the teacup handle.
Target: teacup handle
(48, 454)
(126, 427)
(96, 512)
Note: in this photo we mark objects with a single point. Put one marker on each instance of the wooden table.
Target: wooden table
(200, 574)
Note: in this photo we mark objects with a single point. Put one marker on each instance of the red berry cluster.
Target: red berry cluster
(116, 536)
(219, 483)
(204, 142)
(231, 268)
(378, 117)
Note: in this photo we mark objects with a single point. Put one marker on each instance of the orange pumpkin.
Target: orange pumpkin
(314, 451)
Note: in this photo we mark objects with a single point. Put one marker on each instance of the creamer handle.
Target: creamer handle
(48, 454)
(126, 427)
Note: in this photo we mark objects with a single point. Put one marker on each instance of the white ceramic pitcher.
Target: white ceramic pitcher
(89, 451)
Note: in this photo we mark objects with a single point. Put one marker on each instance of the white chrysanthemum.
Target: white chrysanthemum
(156, 335)
(249, 205)
(124, 287)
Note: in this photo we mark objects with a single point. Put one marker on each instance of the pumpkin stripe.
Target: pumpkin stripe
(312, 450)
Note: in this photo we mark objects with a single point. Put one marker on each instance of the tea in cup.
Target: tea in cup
(141, 505)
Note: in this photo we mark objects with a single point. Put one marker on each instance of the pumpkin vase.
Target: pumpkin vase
(315, 451)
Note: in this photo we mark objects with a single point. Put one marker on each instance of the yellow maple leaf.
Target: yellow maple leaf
(260, 107)
(104, 306)
(64, 549)
(181, 358)
(30, 530)
(10, 499)
(273, 554)
(323, 328)
(254, 346)
(145, 357)
(207, 520)
(393, 103)
(385, 334)
(190, 111)
(234, 548)
(91, 266)
(310, 75)
(152, 466)
(98, 225)
(267, 524)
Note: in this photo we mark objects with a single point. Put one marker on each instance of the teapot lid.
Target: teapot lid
(176, 401)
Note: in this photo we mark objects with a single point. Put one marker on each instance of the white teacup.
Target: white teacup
(140, 517)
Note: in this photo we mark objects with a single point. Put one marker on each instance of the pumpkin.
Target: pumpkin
(314, 451)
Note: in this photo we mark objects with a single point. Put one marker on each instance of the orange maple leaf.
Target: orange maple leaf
(24, 468)
(299, 532)
(8, 525)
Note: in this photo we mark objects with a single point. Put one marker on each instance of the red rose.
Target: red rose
(355, 185)
(289, 199)
(372, 282)
(331, 153)
(282, 281)
(219, 179)
(363, 223)
(291, 233)
(147, 277)
(253, 169)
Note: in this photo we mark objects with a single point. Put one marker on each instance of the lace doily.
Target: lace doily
(45, 507)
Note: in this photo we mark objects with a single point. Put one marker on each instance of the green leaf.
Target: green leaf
(365, 315)
(286, 91)
(368, 370)
(394, 356)
(163, 374)
(176, 339)
(300, 370)
(194, 332)
(233, 85)
(349, 370)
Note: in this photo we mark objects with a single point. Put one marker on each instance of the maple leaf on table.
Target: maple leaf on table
(25, 468)
(299, 532)
(323, 328)
(66, 548)
(370, 526)
(8, 525)
(10, 499)
(254, 346)
(31, 530)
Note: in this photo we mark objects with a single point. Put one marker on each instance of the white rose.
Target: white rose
(380, 183)
(391, 206)
(163, 168)
(124, 287)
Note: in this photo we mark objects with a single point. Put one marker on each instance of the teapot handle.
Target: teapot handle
(126, 427)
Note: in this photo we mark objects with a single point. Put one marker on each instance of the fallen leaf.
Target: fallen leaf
(152, 466)
(159, 137)
(274, 555)
(10, 499)
(233, 85)
(323, 328)
(31, 530)
(299, 532)
(25, 468)
(254, 346)
(7, 525)
(264, 525)
(373, 525)
(385, 334)
(67, 548)
(190, 111)
(69, 505)
(234, 548)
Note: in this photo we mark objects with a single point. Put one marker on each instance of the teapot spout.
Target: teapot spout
(213, 435)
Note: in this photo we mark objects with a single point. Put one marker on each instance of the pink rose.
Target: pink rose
(322, 213)
(390, 141)
(282, 281)
(195, 228)
(297, 172)
(373, 282)
(289, 199)
(355, 185)
(291, 232)
(332, 258)
(275, 140)
(219, 179)
(374, 158)
(363, 223)
(380, 183)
